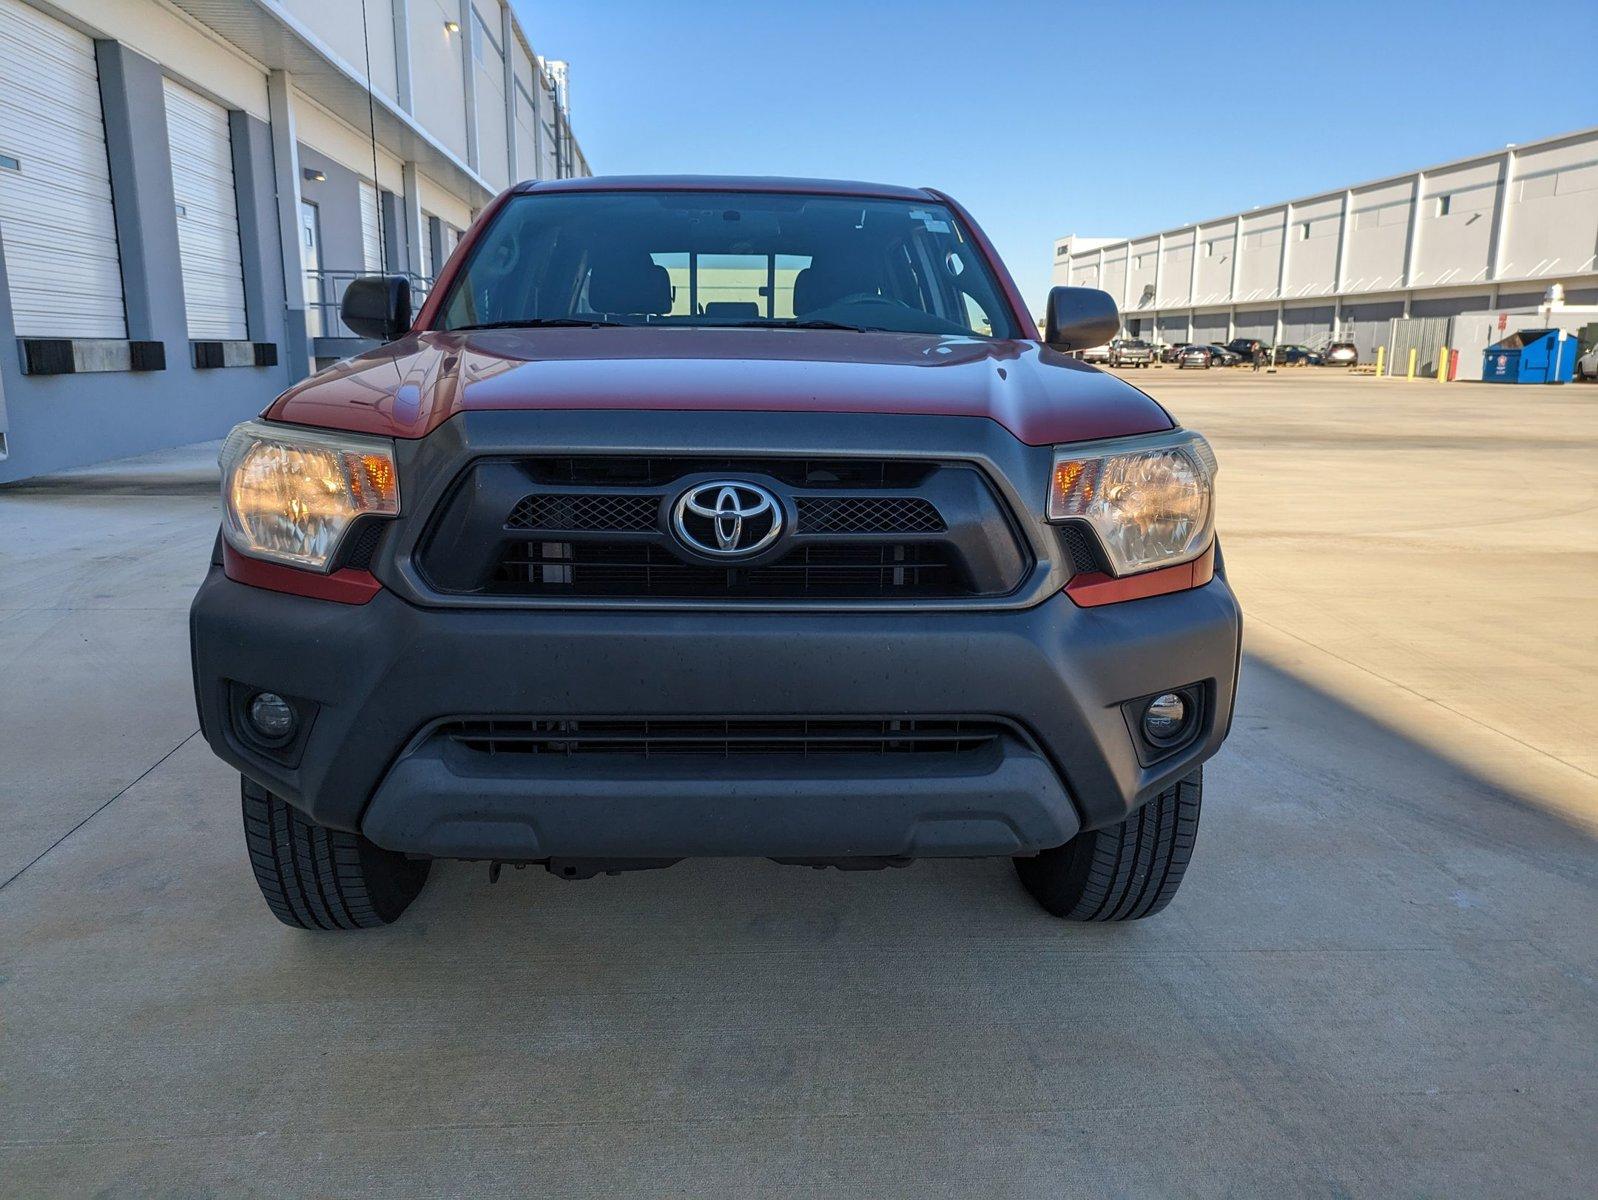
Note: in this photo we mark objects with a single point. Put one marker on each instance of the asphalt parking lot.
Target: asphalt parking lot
(1380, 977)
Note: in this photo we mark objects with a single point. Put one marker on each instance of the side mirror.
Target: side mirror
(1080, 318)
(378, 306)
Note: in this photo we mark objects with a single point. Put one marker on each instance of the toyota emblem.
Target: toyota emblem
(727, 519)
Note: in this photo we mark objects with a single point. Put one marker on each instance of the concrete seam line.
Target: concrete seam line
(135, 783)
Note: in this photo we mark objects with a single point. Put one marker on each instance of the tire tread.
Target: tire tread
(1124, 872)
(312, 877)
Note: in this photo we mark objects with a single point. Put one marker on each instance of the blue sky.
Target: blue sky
(1066, 118)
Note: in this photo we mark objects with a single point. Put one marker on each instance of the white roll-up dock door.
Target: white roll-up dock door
(56, 219)
(208, 215)
(371, 230)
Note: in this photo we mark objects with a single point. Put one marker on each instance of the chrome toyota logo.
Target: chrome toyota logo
(726, 519)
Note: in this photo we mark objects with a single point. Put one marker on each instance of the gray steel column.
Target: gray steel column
(255, 188)
(1282, 265)
(469, 83)
(434, 232)
(507, 39)
(404, 92)
(1412, 234)
(412, 202)
(1343, 230)
(396, 243)
(8, 362)
(286, 172)
(1500, 230)
(538, 122)
(1281, 271)
(1237, 260)
(1192, 282)
(1159, 272)
(134, 102)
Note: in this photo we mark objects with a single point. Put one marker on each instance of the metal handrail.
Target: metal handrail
(324, 293)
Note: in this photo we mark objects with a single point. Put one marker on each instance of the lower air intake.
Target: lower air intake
(725, 738)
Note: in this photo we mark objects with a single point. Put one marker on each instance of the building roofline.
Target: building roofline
(1325, 193)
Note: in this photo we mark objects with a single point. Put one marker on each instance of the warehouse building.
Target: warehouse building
(1484, 234)
(187, 186)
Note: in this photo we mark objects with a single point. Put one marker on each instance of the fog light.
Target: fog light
(1165, 718)
(272, 716)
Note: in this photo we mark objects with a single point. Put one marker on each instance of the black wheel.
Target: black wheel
(318, 878)
(1125, 872)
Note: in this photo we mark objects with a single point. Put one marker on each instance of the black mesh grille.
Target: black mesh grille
(826, 571)
(868, 514)
(725, 738)
(363, 545)
(1083, 549)
(585, 512)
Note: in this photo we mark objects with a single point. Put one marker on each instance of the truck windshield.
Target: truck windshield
(727, 259)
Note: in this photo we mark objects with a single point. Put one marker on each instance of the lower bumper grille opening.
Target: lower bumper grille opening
(725, 738)
(822, 571)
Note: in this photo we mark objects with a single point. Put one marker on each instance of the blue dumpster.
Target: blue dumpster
(1531, 356)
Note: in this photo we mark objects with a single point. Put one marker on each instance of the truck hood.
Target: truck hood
(409, 388)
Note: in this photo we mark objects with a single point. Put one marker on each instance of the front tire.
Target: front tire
(313, 877)
(1124, 872)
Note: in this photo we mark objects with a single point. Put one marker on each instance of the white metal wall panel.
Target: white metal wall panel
(371, 229)
(208, 215)
(427, 245)
(55, 205)
(527, 165)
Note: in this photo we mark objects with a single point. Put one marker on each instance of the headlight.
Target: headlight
(289, 495)
(1151, 501)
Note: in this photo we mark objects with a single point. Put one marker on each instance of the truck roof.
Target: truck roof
(727, 183)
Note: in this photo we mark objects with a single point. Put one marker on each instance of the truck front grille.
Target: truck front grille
(816, 571)
(573, 513)
(725, 738)
(574, 527)
(620, 512)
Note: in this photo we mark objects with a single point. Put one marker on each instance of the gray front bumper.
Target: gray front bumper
(443, 801)
(378, 675)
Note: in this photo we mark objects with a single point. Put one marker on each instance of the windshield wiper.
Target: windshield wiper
(548, 323)
(781, 324)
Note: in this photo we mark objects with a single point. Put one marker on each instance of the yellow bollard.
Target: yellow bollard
(1411, 375)
(1381, 359)
(1442, 364)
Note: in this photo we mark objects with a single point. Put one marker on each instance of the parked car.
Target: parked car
(1195, 356)
(577, 576)
(1169, 354)
(1245, 348)
(1341, 354)
(1130, 352)
(1587, 365)
(1295, 356)
(1221, 356)
(1095, 354)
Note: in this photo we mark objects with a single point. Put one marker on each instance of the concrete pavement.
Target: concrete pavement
(1378, 978)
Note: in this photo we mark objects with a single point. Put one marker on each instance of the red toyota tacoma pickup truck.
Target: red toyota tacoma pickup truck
(716, 517)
